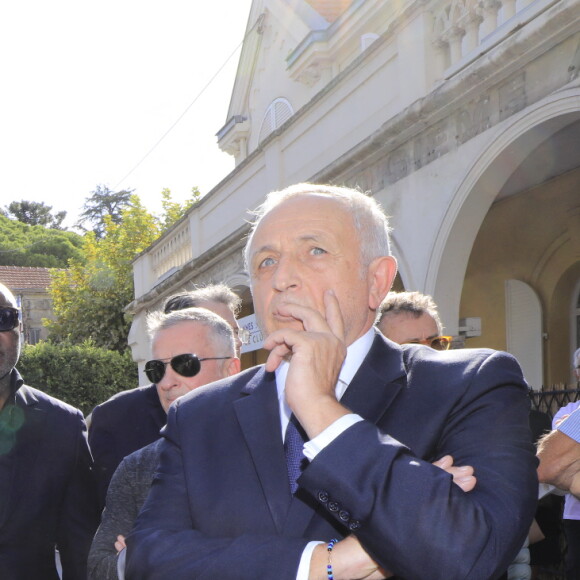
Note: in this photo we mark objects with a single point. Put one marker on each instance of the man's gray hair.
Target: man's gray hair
(369, 219)
(220, 332)
(200, 295)
(413, 303)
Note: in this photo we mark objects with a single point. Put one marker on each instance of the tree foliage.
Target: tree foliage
(35, 213)
(82, 375)
(102, 205)
(38, 246)
(89, 298)
(173, 211)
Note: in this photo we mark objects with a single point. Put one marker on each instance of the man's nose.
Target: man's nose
(169, 379)
(287, 275)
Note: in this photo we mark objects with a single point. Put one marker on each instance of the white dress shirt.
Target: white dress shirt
(355, 355)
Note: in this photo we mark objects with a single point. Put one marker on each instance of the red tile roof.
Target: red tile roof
(330, 10)
(24, 278)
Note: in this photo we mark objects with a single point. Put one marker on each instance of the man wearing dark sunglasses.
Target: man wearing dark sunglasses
(191, 348)
(412, 318)
(132, 419)
(46, 487)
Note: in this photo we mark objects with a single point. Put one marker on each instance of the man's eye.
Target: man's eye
(266, 262)
(317, 251)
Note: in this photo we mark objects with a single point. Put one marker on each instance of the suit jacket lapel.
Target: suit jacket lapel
(377, 382)
(259, 419)
(24, 455)
(372, 390)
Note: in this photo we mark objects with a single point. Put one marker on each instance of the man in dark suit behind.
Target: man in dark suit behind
(223, 503)
(47, 494)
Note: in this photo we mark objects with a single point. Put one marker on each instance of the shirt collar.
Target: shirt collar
(355, 354)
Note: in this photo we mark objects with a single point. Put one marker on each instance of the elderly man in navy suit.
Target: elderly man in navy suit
(47, 494)
(239, 495)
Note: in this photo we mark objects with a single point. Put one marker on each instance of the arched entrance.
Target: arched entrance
(516, 216)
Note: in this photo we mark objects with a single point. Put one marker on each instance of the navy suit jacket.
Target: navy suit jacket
(47, 494)
(124, 423)
(220, 504)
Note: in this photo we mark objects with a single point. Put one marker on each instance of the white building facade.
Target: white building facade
(461, 117)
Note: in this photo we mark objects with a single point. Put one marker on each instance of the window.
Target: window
(279, 111)
(524, 330)
(33, 335)
(366, 40)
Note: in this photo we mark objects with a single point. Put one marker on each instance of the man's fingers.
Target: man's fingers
(312, 320)
(466, 483)
(444, 463)
(462, 476)
(278, 351)
(334, 314)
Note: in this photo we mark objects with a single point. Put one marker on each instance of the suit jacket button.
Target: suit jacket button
(354, 525)
(323, 496)
(344, 515)
(333, 506)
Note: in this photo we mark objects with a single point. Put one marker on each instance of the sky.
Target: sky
(89, 88)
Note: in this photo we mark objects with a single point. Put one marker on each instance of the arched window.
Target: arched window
(524, 330)
(279, 111)
(366, 40)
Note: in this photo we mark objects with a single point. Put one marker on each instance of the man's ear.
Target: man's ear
(382, 272)
(233, 366)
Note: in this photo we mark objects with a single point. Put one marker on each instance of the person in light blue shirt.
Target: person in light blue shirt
(559, 451)
(571, 515)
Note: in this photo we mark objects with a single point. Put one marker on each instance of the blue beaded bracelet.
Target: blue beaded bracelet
(329, 572)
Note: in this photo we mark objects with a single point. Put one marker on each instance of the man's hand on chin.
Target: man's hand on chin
(316, 357)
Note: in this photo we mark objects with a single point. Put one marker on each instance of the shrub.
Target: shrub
(82, 375)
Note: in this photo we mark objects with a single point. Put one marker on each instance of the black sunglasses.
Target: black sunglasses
(186, 365)
(8, 318)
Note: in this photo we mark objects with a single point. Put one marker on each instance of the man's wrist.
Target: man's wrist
(318, 563)
(317, 416)
(313, 447)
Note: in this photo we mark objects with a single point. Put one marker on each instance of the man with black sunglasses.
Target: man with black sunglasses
(191, 348)
(132, 419)
(47, 497)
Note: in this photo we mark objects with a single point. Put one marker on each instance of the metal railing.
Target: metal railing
(552, 397)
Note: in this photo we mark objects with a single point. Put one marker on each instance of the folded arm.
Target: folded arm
(559, 455)
(399, 506)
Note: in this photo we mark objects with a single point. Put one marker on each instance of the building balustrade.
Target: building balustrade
(173, 251)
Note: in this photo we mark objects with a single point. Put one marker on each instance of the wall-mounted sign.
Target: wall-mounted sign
(256, 337)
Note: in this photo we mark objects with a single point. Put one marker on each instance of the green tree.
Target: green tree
(38, 246)
(35, 213)
(89, 298)
(173, 211)
(103, 204)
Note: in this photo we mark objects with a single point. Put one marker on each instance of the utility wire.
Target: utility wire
(258, 23)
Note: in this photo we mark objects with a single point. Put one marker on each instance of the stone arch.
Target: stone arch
(514, 140)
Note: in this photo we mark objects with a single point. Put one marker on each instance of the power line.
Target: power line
(258, 23)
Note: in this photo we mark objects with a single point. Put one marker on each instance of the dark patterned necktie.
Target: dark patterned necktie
(293, 449)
